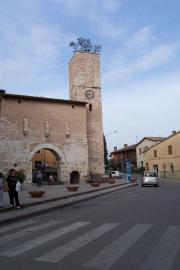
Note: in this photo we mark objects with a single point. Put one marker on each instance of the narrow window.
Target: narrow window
(90, 107)
(155, 153)
(169, 149)
(140, 151)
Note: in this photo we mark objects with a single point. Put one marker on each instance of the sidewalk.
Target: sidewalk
(56, 196)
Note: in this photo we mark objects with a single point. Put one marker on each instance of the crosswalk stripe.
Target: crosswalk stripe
(24, 232)
(109, 255)
(59, 253)
(17, 225)
(19, 249)
(164, 253)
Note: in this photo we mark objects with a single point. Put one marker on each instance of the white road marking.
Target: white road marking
(59, 253)
(17, 225)
(164, 253)
(24, 232)
(19, 249)
(109, 255)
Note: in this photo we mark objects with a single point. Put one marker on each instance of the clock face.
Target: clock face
(89, 93)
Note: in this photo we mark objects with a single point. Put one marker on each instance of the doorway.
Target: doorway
(74, 177)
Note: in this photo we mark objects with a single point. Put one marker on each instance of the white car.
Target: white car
(150, 178)
(115, 174)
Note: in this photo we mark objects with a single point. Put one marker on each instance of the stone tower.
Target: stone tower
(85, 85)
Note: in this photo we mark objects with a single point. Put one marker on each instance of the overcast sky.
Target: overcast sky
(140, 59)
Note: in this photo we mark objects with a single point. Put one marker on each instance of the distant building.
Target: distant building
(164, 157)
(120, 156)
(142, 146)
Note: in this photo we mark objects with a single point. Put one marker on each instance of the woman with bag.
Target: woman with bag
(13, 190)
(1, 190)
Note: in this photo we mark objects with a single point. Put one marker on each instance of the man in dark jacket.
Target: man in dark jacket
(13, 194)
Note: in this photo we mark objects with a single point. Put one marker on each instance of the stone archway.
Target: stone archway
(58, 153)
(74, 177)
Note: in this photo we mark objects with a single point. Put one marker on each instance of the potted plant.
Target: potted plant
(36, 193)
(21, 176)
(72, 188)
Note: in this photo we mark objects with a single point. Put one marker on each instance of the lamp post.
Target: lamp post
(115, 131)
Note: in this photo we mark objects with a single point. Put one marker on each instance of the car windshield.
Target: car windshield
(150, 174)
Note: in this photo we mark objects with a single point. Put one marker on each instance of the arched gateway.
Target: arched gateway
(58, 153)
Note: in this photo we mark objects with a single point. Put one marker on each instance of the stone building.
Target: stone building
(71, 130)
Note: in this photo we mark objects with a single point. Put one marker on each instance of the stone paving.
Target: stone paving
(53, 191)
(55, 197)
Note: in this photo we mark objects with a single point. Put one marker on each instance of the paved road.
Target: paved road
(136, 228)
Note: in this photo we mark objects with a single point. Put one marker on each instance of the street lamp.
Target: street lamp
(115, 131)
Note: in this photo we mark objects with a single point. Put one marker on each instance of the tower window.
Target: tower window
(90, 107)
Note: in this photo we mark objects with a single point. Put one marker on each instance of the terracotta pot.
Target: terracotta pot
(95, 184)
(36, 193)
(72, 188)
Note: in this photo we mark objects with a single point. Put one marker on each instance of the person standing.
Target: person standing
(13, 194)
(51, 178)
(1, 189)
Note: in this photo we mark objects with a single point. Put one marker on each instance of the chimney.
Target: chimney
(115, 148)
(174, 132)
(125, 145)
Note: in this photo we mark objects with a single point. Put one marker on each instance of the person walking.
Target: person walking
(1, 189)
(13, 194)
(39, 177)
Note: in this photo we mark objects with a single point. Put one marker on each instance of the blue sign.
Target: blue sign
(128, 170)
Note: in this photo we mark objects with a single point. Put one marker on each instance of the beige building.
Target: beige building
(142, 146)
(164, 157)
(71, 130)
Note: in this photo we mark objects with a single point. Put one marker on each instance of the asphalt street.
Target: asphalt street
(136, 228)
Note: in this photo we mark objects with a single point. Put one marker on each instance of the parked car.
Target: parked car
(150, 178)
(115, 174)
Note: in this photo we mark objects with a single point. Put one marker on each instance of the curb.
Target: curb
(5, 210)
(65, 204)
